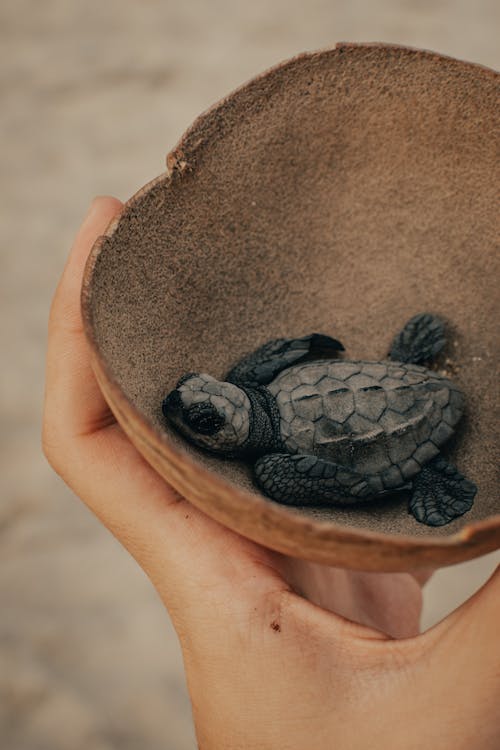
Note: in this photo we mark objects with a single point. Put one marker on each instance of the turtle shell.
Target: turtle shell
(382, 419)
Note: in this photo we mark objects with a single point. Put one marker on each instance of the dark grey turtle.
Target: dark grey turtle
(329, 431)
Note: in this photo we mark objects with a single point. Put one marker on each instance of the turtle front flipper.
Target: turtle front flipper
(420, 340)
(308, 480)
(261, 366)
(440, 493)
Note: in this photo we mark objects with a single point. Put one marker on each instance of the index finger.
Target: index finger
(68, 366)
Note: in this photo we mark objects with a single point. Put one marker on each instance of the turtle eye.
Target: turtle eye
(204, 418)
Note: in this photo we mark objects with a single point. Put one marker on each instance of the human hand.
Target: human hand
(280, 654)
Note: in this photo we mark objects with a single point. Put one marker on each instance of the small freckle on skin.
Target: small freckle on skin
(276, 626)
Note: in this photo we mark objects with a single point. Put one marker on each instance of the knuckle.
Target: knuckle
(52, 448)
(64, 315)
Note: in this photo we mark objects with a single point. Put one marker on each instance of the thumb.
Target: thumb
(479, 616)
(469, 642)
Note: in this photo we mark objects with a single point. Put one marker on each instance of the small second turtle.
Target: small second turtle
(322, 430)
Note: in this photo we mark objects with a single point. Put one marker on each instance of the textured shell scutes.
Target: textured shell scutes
(385, 419)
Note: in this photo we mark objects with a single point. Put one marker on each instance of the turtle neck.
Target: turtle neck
(264, 434)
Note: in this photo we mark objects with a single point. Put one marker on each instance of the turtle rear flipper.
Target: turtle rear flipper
(420, 340)
(261, 366)
(440, 494)
(302, 479)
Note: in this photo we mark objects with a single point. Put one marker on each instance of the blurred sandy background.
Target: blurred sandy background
(94, 94)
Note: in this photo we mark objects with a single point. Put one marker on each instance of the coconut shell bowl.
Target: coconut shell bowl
(341, 192)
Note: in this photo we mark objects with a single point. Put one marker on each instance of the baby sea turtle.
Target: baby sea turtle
(329, 431)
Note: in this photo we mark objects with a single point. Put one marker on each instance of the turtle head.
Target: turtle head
(212, 414)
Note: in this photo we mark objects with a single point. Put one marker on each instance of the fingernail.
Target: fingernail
(92, 208)
(104, 205)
